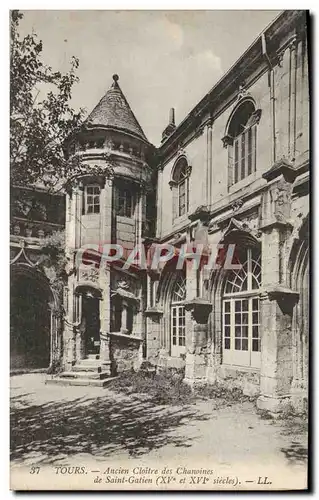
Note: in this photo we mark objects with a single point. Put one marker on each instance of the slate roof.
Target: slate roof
(114, 111)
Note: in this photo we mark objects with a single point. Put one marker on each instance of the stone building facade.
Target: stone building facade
(36, 323)
(234, 172)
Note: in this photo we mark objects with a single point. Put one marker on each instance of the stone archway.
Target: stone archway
(31, 301)
(299, 281)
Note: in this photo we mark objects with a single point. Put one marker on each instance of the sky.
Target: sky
(164, 59)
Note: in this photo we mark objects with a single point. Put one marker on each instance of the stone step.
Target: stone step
(92, 357)
(83, 367)
(93, 361)
(79, 381)
(85, 374)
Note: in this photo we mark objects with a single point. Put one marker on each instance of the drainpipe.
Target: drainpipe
(271, 83)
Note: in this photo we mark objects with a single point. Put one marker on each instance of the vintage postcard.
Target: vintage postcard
(159, 241)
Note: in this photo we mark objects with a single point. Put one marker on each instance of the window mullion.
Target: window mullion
(249, 271)
(250, 329)
(232, 325)
(246, 152)
(254, 148)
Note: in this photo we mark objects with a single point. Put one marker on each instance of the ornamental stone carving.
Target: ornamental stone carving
(89, 275)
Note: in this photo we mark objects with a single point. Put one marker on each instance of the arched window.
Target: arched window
(241, 142)
(178, 334)
(241, 315)
(180, 187)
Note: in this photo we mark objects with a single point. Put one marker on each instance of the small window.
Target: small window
(92, 199)
(241, 142)
(178, 325)
(180, 186)
(124, 202)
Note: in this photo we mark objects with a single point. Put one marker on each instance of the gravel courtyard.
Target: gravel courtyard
(52, 424)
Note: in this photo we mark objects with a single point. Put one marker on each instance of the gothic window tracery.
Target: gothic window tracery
(241, 312)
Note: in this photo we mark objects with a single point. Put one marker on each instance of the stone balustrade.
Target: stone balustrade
(21, 228)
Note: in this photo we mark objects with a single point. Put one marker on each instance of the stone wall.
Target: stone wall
(232, 377)
(125, 352)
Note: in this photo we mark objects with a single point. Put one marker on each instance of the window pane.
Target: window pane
(255, 304)
(227, 306)
(237, 331)
(89, 200)
(255, 318)
(245, 318)
(245, 305)
(96, 209)
(227, 343)
(236, 162)
(238, 305)
(237, 344)
(227, 319)
(90, 209)
(245, 331)
(255, 332)
(227, 331)
(243, 156)
(244, 345)
(238, 318)
(249, 152)
(256, 346)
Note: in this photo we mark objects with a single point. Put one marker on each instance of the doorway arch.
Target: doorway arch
(31, 304)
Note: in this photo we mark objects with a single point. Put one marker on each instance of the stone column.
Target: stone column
(293, 98)
(207, 178)
(159, 201)
(197, 311)
(124, 316)
(69, 333)
(78, 199)
(277, 300)
(105, 275)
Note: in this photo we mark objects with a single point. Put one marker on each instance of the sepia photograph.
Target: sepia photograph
(159, 250)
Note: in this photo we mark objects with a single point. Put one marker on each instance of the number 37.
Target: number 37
(34, 470)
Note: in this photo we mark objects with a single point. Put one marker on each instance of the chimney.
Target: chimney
(172, 116)
(171, 125)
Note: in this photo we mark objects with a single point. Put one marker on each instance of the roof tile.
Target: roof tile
(114, 111)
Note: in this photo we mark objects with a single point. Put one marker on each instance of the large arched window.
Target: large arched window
(241, 142)
(241, 315)
(178, 334)
(180, 187)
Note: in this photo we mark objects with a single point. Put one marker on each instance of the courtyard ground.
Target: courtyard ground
(52, 424)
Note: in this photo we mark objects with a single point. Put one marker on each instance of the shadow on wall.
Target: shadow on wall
(98, 426)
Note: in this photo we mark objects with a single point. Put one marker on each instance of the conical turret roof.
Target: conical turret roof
(114, 111)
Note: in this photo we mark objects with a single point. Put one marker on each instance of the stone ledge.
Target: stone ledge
(125, 336)
(152, 311)
(280, 292)
(281, 167)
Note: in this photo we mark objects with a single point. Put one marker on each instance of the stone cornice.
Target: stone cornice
(227, 84)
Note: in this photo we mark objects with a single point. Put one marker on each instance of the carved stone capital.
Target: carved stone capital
(172, 184)
(227, 140)
(199, 308)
